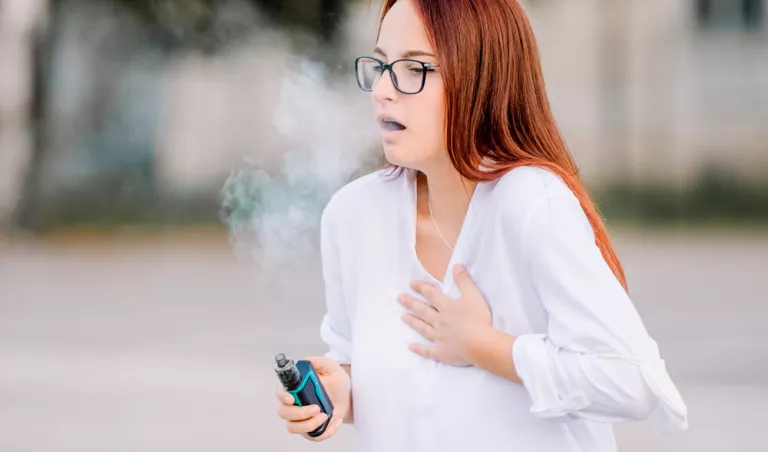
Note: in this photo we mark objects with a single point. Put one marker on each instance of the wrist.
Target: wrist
(491, 350)
(480, 344)
(349, 415)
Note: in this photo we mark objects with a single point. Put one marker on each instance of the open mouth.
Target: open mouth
(391, 125)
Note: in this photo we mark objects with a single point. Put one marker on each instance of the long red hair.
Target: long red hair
(496, 104)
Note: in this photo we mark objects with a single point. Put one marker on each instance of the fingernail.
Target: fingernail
(401, 299)
(458, 268)
(315, 409)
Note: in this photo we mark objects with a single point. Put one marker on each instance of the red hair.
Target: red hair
(496, 104)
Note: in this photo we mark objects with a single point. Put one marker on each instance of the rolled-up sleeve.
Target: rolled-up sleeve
(596, 360)
(335, 328)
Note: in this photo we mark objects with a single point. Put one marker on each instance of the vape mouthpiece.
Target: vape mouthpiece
(281, 360)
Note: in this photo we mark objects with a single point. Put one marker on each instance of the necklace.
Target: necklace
(429, 203)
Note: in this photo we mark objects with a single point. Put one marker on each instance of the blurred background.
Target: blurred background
(163, 164)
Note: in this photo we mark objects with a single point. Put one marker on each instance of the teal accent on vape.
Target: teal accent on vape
(310, 375)
(296, 400)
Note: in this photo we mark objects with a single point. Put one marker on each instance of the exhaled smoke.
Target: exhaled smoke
(329, 135)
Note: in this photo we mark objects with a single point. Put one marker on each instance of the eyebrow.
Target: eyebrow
(407, 54)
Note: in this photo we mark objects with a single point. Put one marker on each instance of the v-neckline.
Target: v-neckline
(466, 229)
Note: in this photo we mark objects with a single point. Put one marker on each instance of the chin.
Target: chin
(397, 155)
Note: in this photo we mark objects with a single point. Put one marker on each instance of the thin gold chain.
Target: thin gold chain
(429, 203)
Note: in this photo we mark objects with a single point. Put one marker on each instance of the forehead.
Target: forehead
(402, 30)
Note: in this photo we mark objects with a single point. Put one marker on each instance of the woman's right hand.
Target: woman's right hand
(304, 419)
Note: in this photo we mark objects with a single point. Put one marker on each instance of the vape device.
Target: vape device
(301, 381)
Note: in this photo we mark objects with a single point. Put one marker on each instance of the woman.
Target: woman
(540, 349)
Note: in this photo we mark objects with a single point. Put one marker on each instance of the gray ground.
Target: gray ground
(165, 346)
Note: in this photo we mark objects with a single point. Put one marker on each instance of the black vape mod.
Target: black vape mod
(301, 381)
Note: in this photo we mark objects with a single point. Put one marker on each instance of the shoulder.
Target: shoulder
(527, 184)
(525, 190)
(355, 197)
(522, 188)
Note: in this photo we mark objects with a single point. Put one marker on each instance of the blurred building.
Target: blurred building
(657, 91)
(645, 91)
(18, 21)
(160, 100)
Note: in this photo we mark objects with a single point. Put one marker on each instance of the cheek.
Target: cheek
(432, 117)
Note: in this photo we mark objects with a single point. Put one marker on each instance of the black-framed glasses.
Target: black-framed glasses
(408, 76)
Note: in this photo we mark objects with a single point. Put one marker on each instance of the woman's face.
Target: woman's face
(422, 142)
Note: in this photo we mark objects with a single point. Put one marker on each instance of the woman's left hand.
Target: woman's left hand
(451, 324)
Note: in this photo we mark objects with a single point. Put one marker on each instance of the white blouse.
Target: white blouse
(582, 351)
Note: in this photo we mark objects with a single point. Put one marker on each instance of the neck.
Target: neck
(450, 194)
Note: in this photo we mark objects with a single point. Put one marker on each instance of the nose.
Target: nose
(384, 90)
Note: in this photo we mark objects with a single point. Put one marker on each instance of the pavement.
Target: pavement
(163, 344)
